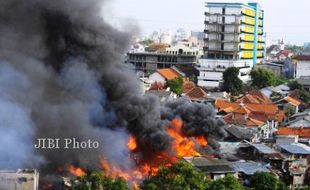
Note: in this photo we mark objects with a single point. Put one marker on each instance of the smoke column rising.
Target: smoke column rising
(62, 77)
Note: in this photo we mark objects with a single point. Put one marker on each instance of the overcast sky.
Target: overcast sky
(288, 19)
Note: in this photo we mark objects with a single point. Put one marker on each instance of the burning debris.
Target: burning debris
(62, 77)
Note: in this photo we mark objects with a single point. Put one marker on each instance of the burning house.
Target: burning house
(62, 77)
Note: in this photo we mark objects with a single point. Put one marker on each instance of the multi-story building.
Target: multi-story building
(234, 37)
(148, 62)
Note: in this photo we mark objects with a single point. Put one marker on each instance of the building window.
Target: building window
(222, 46)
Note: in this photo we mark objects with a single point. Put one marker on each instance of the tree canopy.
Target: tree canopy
(263, 77)
(97, 181)
(232, 82)
(304, 94)
(229, 182)
(176, 85)
(266, 181)
(180, 176)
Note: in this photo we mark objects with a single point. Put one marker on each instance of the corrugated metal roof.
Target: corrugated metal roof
(249, 168)
(296, 148)
(264, 149)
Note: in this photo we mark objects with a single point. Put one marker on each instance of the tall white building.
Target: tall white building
(233, 38)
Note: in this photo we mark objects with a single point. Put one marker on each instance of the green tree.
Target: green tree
(266, 181)
(176, 85)
(304, 94)
(193, 78)
(229, 182)
(295, 85)
(180, 176)
(289, 112)
(97, 181)
(232, 82)
(263, 77)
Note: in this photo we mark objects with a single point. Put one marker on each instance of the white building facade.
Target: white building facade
(302, 66)
(233, 38)
(211, 71)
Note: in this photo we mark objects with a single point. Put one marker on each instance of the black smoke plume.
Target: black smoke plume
(61, 76)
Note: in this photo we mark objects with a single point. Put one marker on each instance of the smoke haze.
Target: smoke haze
(62, 77)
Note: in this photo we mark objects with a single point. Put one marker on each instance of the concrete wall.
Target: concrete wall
(302, 68)
(156, 77)
(14, 180)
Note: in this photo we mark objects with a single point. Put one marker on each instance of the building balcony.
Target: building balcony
(210, 69)
(245, 23)
(246, 14)
(221, 32)
(223, 41)
(222, 23)
(221, 14)
(246, 32)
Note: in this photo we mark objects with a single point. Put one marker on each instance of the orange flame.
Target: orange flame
(184, 146)
(202, 140)
(132, 143)
(76, 171)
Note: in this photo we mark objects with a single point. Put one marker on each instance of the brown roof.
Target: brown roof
(196, 93)
(188, 70)
(285, 52)
(247, 121)
(292, 101)
(254, 112)
(187, 86)
(270, 109)
(169, 73)
(255, 97)
(157, 86)
(260, 96)
(302, 57)
(301, 132)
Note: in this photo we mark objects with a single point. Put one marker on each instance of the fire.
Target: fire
(76, 171)
(184, 146)
(150, 164)
(202, 141)
(132, 143)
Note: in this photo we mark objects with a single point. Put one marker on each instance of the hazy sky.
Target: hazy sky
(288, 19)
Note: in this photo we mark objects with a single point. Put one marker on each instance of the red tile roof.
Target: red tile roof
(254, 114)
(187, 86)
(169, 73)
(301, 132)
(224, 105)
(285, 52)
(240, 120)
(196, 93)
(255, 97)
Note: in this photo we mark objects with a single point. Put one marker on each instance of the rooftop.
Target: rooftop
(301, 132)
(169, 73)
(296, 148)
(301, 57)
(210, 165)
(292, 101)
(263, 149)
(196, 93)
(249, 167)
